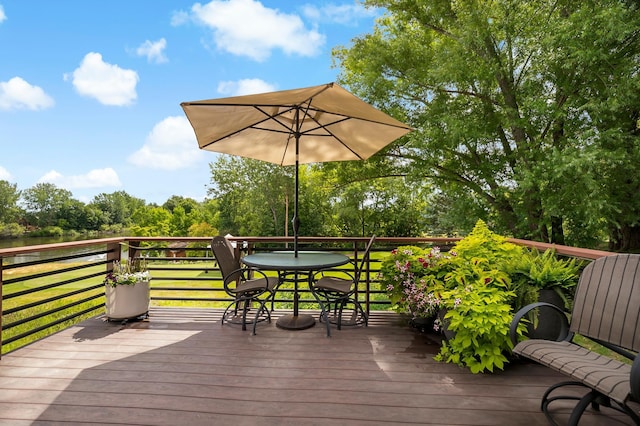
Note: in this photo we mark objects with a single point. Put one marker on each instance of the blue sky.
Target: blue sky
(90, 91)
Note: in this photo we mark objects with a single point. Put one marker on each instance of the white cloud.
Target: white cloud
(153, 50)
(171, 145)
(3, 16)
(109, 84)
(247, 28)
(248, 86)
(340, 14)
(18, 94)
(179, 17)
(96, 178)
(4, 174)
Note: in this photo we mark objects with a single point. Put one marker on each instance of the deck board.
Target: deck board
(181, 367)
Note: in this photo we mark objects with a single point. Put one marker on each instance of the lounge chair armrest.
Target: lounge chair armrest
(635, 378)
(513, 329)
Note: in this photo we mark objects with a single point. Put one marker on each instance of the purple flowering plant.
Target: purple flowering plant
(414, 279)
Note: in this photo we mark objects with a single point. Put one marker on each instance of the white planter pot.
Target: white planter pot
(127, 301)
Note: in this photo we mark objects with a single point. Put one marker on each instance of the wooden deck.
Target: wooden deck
(180, 367)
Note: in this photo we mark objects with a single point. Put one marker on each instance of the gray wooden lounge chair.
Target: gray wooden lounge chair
(240, 284)
(334, 292)
(606, 310)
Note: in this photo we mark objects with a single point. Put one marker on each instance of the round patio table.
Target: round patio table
(285, 261)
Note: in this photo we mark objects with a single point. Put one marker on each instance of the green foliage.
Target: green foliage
(43, 202)
(48, 231)
(525, 111)
(151, 222)
(471, 283)
(9, 196)
(479, 315)
(202, 229)
(483, 245)
(533, 271)
(11, 230)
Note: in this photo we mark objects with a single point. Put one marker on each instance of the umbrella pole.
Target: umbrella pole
(296, 220)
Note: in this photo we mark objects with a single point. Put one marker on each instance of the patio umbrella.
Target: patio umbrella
(307, 125)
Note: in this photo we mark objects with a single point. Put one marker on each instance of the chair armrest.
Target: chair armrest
(321, 273)
(635, 378)
(242, 275)
(513, 329)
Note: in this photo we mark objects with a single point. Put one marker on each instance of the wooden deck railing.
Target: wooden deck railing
(44, 288)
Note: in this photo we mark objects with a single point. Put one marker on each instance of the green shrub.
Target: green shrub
(479, 315)
(471, 284)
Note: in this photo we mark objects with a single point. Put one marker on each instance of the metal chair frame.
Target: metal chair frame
(335, 293)
(241, 284)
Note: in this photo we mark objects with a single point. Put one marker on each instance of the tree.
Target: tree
(119, 206)
(151, 222)
(44, 203)
(187, 204)
(9, 196)
(527, 106)
(254, 196)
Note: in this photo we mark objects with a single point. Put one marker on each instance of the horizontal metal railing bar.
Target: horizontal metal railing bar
(155, 289)
(49, 325)
(50, 299)
(185, 279)
(177, 268)
(54, 259)
(52, 285)
(50, 311)
(56, 272)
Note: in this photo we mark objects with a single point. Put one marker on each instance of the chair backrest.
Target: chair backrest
(224, 255)
(607, 301)
(365, 258)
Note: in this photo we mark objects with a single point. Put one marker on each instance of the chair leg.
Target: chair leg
(363, 313)
(224, 314)
(245, 309)
(342, 304)
(324, 313)
(262, 308)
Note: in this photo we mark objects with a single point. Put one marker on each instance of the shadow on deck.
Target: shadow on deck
(180, 367)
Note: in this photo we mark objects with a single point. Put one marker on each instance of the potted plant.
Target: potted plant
(409, 275)
(533, 273)
(544, 277)
(127, 290)
(472, 291)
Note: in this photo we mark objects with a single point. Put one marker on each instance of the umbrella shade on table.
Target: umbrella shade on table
(307, 125)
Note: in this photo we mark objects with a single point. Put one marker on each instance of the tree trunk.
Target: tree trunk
(625, 239)
(557, 233)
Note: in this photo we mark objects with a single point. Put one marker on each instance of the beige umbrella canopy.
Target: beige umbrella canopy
(308, 125)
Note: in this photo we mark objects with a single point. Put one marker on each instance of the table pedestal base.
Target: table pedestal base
(295, 322)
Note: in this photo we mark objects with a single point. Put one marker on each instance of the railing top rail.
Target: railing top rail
(582, 253)
(12, 251)
(560, 249)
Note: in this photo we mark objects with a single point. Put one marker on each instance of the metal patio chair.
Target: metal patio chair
(334, 292)
(239, 283)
